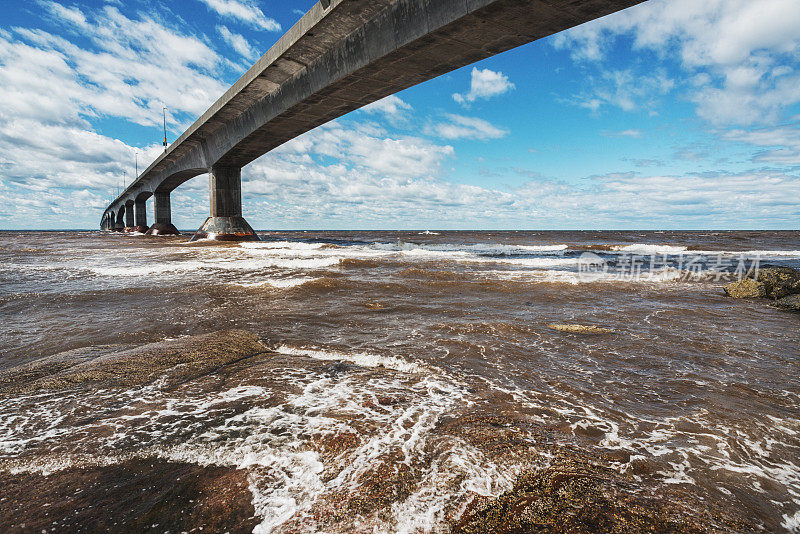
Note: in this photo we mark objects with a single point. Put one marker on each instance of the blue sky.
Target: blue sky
(672, 114)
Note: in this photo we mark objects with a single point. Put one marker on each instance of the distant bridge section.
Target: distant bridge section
(340, 56)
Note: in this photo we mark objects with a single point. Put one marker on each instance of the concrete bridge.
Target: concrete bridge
(342, 55)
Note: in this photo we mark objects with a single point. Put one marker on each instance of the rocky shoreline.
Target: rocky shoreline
(780, 285)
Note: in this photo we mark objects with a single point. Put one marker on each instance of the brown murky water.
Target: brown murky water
(396, 382)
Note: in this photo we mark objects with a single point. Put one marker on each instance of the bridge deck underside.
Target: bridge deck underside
(501, 26)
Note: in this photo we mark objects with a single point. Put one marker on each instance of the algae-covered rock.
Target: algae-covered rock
(746, 288)
(779, 282)
(175, 360)
(580, 328)
(578, 496)
(792, 302)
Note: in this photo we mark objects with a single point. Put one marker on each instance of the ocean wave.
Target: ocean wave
(762, 253)
(215, 262)
(649, 249)
(278, 283)
(149, 269)
(288, 245)
(575, 278)
(645, 248)
(527, 262)
(486, 249)
(359, 358)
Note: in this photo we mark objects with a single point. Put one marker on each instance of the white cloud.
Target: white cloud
(243, 11)
(52, 91)
(391, 106)
(625, 90)
(461, 127)
(729, 200)
(238, 43)
(71, 15)
(378, 193)
(624, 133)
(135, 67)
(743, 54)
(368, 150)
(782, 143)
(484, 84)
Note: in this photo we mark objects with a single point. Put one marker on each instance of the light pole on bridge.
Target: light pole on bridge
(164, 110)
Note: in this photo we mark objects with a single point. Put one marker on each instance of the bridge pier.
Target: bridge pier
(163, 216)
(226, 222)
(129, 222)
(140, 216)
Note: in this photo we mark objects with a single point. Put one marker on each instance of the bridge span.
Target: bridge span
(340, 56)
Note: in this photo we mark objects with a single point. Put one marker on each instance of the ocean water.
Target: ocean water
(382, 348)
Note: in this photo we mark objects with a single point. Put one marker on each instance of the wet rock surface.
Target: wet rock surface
(139, 495)
(175, 361)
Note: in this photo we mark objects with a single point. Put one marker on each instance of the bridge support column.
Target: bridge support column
(129, 217)
(163, 216)
(119, 223)
(226, 222)
(140, 216)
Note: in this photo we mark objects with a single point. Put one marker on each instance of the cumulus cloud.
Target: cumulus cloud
(461, 127)
(344, 172)
(743, 72)
(53, 90)
(238, 43)
(368, 150)
(484, 84)
(131, 70)
(347, 189)
(243, 11)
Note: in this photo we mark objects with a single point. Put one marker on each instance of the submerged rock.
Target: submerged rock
(792, 302)
(176, 361)
(580, 329)
(746, 288)
(779, 282)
